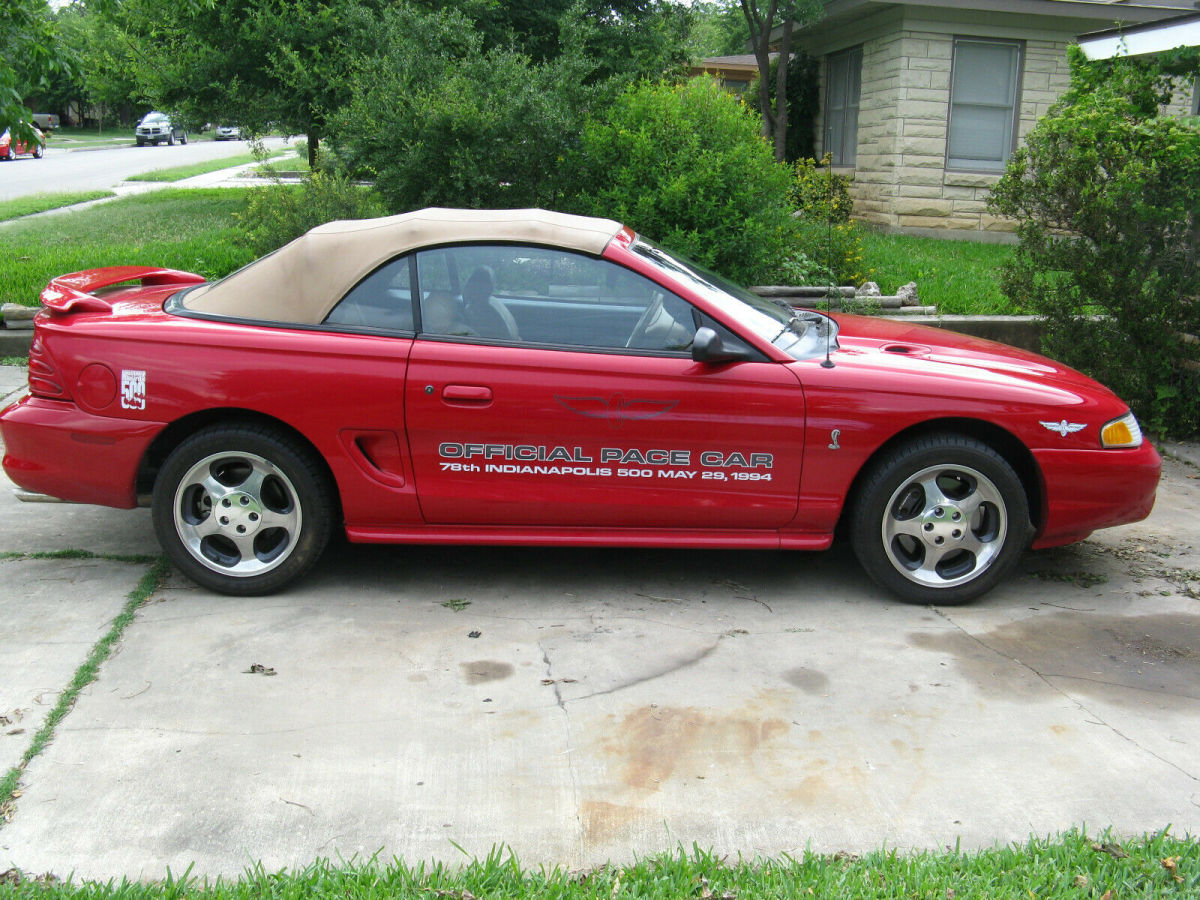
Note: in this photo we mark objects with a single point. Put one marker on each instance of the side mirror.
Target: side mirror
(707, 347)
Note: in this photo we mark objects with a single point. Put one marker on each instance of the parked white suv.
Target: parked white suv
(156, 127)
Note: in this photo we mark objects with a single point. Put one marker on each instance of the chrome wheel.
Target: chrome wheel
(237, 514)
(940, 519)
(944, 526)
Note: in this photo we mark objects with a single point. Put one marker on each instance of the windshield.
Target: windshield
(800, 333)
(153, 119)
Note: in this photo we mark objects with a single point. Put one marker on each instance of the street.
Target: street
(98, 170)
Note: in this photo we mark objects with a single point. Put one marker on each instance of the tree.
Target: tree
(643, 36)
(782, 15)
(29, 53)
(719, 29)
(1106, 193)
(435, 119)
(261, 64)
(104, 74)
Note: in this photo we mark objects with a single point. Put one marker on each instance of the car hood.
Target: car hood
(907, 355)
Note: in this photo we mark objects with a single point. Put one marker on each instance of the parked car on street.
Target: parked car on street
(227, 133)
(528, 377)
(156, 128)
(12, 147)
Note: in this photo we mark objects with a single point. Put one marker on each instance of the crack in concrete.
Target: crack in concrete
(1100, 720)
(677, 667)
(575, 789)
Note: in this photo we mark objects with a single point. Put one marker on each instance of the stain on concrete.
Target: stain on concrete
(808, 680)
(484, 670)
(1129, 660)
(653, 743)
(605, 822)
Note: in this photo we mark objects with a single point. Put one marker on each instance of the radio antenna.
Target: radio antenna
(833, 291)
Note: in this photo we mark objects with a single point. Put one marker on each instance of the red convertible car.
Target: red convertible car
(529, 377)
(11, 148)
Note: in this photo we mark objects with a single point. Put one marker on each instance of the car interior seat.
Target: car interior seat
(484, 313)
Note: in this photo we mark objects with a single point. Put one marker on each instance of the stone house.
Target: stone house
(923, 101)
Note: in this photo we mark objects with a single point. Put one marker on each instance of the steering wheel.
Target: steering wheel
(647, 319)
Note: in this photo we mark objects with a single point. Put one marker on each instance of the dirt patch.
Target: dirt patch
(483, 670)
(808, 680)
(1129, 660)
(652, 743)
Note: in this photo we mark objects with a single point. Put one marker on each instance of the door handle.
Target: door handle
(467, 394)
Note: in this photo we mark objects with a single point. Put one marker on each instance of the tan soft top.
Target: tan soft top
(302, 281)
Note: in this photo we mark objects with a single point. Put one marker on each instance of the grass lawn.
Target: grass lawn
(74, 138)
(193, 230)
(25, 206)
(1070, 867)
(958, 277)
(178, 173)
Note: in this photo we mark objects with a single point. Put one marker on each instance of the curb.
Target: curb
(15, 341)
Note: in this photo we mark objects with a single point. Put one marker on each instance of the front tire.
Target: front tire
(243, 509)
(940, 520)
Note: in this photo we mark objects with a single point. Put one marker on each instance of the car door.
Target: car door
(548, 388)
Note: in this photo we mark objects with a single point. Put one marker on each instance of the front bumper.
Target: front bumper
(1088, 489)
(52, 447)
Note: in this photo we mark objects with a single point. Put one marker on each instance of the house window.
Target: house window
(983, 104)
(842, 89)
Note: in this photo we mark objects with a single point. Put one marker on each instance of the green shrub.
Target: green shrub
(439, 121)
(686, 165)
(835, 248)
(819, 194)
(832, 243)
(1107, 196)
(280, 213)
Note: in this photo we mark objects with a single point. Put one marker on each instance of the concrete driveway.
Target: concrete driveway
(585, 705)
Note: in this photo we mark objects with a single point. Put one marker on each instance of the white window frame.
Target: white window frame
(976, 164)
(846, 151)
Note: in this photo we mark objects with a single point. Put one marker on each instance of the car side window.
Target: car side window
(548, 296)
(382, 300)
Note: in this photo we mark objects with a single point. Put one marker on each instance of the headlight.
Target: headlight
(1122, 432)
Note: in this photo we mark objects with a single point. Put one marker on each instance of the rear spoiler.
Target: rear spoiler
(71, 293)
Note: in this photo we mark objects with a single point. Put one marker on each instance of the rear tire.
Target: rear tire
(243, 509)
(940, 520)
